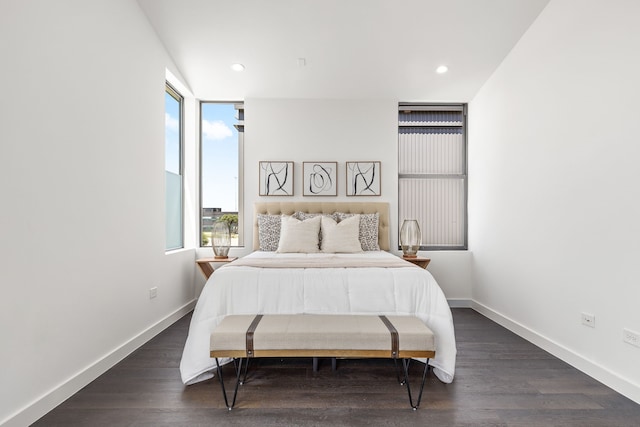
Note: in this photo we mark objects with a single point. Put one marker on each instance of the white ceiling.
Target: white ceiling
(353, 48)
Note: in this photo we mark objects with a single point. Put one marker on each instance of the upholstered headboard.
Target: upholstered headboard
(288, 208)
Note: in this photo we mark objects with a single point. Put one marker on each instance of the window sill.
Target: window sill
(178, 251)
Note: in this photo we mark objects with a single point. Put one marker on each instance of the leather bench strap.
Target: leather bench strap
(395, 341)
(250, 331)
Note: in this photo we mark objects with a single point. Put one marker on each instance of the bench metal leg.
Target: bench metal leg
(235, 392)
(240, 373)
(405, 364)
(246, 368)
(399, 372)
(315, 364)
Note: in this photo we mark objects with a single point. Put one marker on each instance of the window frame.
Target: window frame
(463, 108)
(239, 125)
(173, 92)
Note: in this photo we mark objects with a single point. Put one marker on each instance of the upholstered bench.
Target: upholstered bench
(310, 335)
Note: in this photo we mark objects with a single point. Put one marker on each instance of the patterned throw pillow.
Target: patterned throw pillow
(304, 215)
(368, 229)
(269, 232)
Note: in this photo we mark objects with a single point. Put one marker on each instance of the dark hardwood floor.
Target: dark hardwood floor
(501, 380)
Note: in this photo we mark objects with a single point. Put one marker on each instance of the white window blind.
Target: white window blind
(432, 173)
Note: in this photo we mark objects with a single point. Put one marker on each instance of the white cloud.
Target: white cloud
(170, 123)
(215, 130)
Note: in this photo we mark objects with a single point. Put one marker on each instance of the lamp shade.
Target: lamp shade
(220, 239)
(410, 238)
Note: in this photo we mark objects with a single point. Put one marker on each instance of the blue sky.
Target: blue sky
(219, 157)
(219, 152)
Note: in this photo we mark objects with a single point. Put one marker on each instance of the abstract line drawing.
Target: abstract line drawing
(276, 179)
(363, 178)
(319, 178)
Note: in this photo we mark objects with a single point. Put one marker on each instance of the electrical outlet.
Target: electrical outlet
(631, 337)
(153, 292)
(589, 320)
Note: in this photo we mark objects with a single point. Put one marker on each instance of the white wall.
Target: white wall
(82, 185)
(301, 130)
(554, 206)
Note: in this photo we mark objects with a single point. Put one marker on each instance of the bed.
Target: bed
(300, 280)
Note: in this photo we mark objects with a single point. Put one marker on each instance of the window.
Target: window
(173, 102)
(221, 144)
(432, 172)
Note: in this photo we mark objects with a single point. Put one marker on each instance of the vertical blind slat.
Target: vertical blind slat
(441, 211)
(431, 153)
(438, 203)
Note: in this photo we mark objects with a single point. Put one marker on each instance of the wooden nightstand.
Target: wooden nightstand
(422, 262)
(207, 268)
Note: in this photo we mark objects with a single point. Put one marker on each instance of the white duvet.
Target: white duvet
(367, 290)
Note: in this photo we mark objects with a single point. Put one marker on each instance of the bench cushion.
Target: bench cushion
(322, 335)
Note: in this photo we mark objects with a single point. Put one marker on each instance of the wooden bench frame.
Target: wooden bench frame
(394, 352)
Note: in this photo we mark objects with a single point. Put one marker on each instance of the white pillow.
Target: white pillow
(368, 229)
(341, 237)
(299, 236)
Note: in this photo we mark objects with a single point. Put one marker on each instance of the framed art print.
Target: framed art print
(319, 178)
(363, 178)
(276, 179)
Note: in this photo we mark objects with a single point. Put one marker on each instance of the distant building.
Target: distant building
(211, 215)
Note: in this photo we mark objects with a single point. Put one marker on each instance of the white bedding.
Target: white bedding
(251, 290)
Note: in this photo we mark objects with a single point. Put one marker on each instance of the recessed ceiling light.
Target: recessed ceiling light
(237, 67)
(442, 69)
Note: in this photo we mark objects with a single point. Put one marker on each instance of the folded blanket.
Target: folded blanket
(324, 262)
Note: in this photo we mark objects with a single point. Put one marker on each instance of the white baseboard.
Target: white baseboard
(459, 303)
(589, 367)
(39, 407)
